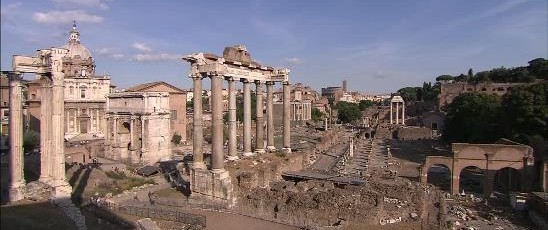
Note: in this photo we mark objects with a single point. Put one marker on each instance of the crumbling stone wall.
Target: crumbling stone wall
(414, 133)
(319, 203)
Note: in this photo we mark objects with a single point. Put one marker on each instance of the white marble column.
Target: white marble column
(259, 122)
(247, 118)
(269, 116)
(397, 112)
(197, 135)
(57, 137)
(217, 153)
(232, 129)
(45, 130)
(16, 158)
(391, 112)
(286, 117)
(403, 113)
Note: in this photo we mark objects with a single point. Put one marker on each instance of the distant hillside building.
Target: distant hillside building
(449, 91)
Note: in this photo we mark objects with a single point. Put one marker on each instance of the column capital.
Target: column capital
(258, 82)
(285, 82)
(216, 75)
(270, 83)
(196, 76)
(13, 75)
(229, 78)
(245, 80)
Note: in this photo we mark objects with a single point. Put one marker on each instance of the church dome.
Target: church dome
(75, 49)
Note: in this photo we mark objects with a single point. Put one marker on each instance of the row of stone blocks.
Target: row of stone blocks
(71, 211)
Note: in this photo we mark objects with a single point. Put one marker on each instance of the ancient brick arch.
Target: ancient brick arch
(488, 157)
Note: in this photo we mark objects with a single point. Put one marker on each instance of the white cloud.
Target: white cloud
(87, 3)
(156, 57)
(117, 56)
(294, 60)
(110, 52)
(141, 47)
(65, 17)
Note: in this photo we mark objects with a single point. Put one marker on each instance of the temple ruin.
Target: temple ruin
(235, 65)
(48, 66)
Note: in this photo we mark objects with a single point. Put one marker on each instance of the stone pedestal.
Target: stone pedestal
(214, 183)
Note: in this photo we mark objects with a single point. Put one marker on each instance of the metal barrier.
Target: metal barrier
(194, 220)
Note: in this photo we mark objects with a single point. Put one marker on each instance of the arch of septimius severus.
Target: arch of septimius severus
(234, 65)
(48, 65)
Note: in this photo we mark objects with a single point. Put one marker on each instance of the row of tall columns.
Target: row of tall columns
(217, 163)
(398, 118)
(16, 160)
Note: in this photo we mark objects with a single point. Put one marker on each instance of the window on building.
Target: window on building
(71, 90)
(6, 112)
(82, 92)
(173, 114)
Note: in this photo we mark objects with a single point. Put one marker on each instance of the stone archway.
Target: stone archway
(507, 180)
(472, 179)
(440, 176)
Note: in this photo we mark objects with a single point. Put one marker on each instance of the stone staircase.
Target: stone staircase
(71, 211)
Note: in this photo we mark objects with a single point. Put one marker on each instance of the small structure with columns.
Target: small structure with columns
(397, 100)
(235, 65)
(48, 65)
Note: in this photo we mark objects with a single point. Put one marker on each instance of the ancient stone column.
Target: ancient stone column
(16, 160)
(197, 135)
(397, 112)
(247, 118)
(232, 129)
(391, 112)
(287, 122)
(269, 116)
(217, 154)
(259, 123)
(61, 187)
(403, 113)
(45, 130)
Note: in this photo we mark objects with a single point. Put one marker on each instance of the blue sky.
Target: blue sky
(378, 46)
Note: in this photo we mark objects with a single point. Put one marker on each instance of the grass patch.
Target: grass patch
(116, 175)
(121, 182)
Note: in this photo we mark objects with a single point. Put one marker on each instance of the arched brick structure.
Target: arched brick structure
(488, 157)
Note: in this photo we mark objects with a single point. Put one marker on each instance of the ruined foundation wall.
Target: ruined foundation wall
(319, 203)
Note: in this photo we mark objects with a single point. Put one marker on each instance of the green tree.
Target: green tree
(474, 117)
(444, 77)
(526, 111)
(539, 68)
(408, 93)
(317, 115)
(470, 73)
(31, 140)
(364, 104)
(348, 112)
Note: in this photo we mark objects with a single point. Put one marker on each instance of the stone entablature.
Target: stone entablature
(87, 89)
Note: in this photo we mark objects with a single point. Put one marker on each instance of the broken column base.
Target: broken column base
(213, 183)
(248, 154)
(270, 148)
(60, 189)
(260, 151)
(286, 150)
(232, 158)
(16, 193)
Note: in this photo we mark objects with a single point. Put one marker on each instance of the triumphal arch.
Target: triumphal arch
(234, 65)
(48, 66)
